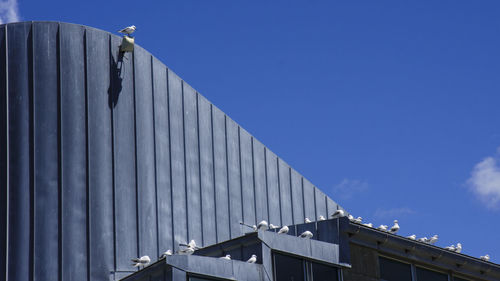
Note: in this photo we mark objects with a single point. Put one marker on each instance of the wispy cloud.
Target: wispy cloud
(393, 213)
(347, 188)
(485, 180)
(8, 11)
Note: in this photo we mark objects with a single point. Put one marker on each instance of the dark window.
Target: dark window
(391, 270)
(429, 275)
(288, 268)
(459, 279)
(199, 279)
(324, 273)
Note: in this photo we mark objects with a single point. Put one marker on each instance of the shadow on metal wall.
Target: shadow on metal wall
(115, 86)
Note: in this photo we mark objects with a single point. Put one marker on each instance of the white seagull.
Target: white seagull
(226, 257)
(412, 237)
(252, 259)
(394, 229)
(187, 251)
(166, 253)
(272, 226)
(382, 227)
(350, 217)
(307, 220)
(433, 239)
(485, 257)
(322, 218)
(306, 234)
(368, 224)
(262, 225)
(338, 213)
(357, 220)
(423, 239)
(128, 30)
(450, 248)
(458, 248)
(142, 261)
(283, 230)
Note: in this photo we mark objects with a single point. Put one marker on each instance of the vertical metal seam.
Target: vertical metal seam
(59, 149)
(241, 175)
(253, 181)
(170, 160)
(7, 179)
(227, 179)
(267, 185)
(87, 173)
(199, 165)
(137, 200)
(213, 172)
(154, 155)
(291, 193)
(279, 189)
(326, 207)
(303, 199)
(315, 205)
(31, 112)
(113, 172)
(185, 164)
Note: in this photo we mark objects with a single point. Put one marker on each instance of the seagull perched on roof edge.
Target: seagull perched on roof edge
(382, 227)
(433, 239)
(306, 234)
(423, 239)
(485, 257)
(226, 257)
(412, 237)
(368, 224)
(262, 225)
(357, 220)
(252, 259)
(142, 261)
(450, 248)
(307, 220)
(166, 253)
(128, 30)
(458, 248)
(394, 229)
(322, 218)
(339, 213)
(283, 230)
(272, 226)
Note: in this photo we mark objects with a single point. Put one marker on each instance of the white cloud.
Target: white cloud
(8, 11)
(393, 213)
(348, 187)
(485, 181)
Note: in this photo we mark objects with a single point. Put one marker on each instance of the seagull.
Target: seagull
(272, 226)
(338, 213)
(262, 225)
(142, 261)
(458, 248)
(254, 227)
(226, 257)
(423, 239)
(412, 237)
(306, 234)
(283, 230)
(368, 224)
(450, 248)
(350, 217)
(307, 220)
(394, 229)
(382, 227)
(128, 30)
(485, 257)
(192, 244)
(322, 218)
(433, 239)
(188, 251)
(252, 259)
(357, 220)
(167, 253)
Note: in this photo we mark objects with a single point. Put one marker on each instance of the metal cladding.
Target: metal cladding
(107, 156)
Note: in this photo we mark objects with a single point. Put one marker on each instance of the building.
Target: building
(107, 156)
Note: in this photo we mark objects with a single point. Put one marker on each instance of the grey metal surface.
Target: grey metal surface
(105, 157)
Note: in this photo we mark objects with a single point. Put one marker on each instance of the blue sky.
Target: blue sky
(390, 107)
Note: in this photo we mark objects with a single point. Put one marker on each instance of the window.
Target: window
(324, 273)
(288, 268)
(459, 279)
(429, 275)
(199, 279)
(391, 270)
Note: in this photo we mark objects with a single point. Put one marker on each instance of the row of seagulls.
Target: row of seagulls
(453, 248)
(431, 240)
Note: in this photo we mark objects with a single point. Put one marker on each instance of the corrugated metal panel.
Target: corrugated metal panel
(105, 157)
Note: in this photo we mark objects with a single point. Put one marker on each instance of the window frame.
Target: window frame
(307, 265)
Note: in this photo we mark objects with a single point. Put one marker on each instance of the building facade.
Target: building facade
(107, 156)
